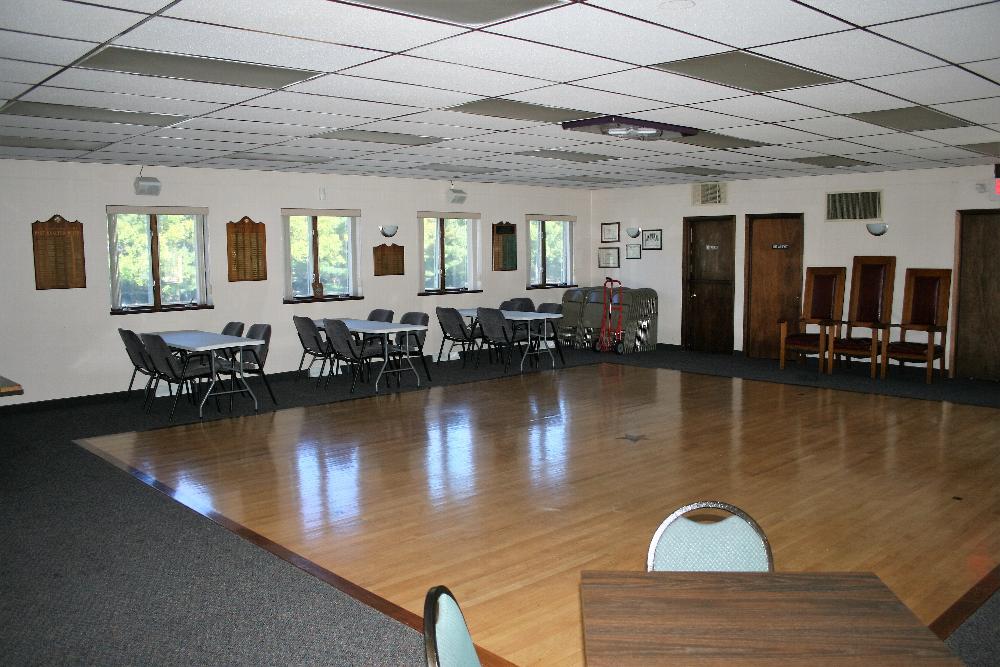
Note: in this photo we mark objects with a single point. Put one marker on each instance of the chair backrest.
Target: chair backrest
(414, 317)
(523, 304)
(823, 296)
(549, 308)
(163, 360)
(495, 326)
(447, 642)
(926, 296)
(340, 339)
(734, 544)
(135, 349)
(309, 334)
(233, 329)
(380, 315)
(452, 323)
(872, 280)
(507, 305)
(259, 332)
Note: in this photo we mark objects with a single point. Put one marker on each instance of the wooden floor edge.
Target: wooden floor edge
(362, 595)
(965, 606)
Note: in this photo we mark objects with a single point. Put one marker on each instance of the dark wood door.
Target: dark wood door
(707, 320)
(977, 341)
(774, 280)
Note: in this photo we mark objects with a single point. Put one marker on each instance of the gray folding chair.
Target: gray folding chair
(456, 331)
(399, 349)
(447, 642)
(734, 544)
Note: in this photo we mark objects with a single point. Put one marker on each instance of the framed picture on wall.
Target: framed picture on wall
(607, 258)
(633, 251)
(609, 232)
(652, 239)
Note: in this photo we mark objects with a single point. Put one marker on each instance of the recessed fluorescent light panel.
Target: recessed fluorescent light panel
(68, 112)
(991, 148)
(155, 63)
(713, 140)
(273, 157)
(499, 108)
(694, 171)
(629, 128)
(465, 12)
(909, 119)
(378, 137)
(584, 179)
(59, 144)
(831, 161)
(458, 169)
(743, 70)
(572, 156)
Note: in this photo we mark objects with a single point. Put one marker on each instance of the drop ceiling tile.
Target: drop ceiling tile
(882, 157)
(972, 161)
(736, 23)
(836, 126)
(340, 145)
(459, 119)
(145, 6)
(761, 108)
(585, 99)
(937, 34)
(850, 55)
(13, 131)
(939, 153)
(66, 125)
(10, 90)
(988, 68)
(935, 86)
(622, 148)
(169, 142)
(35, 48)
(87, 98)
(154, 86)
(868, 12)
(320, 20)
(310, 118)
(174, 152)
(209, 136)
(961, 135)
(771, 134)
(978, 111)
(842, 98)
(830, 146)
(517, 57)
(332, 105)
(37, 153)
(659, 85)
(472, 80)
(419, 129)
(699, 118)
(17, 71)
(66, 19)
(895, 141)
(745, 70)
(252, 127)
(167, 34)
(382, 91)
(584, 28)
(773, 152)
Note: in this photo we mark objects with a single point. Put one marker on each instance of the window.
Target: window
(449, 251)
(550, 250)
(321, 254)
(157, 258)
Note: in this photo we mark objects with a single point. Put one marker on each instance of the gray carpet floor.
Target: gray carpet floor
(99, 568)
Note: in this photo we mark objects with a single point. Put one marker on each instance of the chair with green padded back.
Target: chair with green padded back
(447, 642)
(733, 544)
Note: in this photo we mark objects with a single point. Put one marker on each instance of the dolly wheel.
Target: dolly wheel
(620, 347)
(596, 347)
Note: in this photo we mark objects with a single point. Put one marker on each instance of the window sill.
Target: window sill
(449, 291)
(323, 299)
(566, 286)
(162, 309)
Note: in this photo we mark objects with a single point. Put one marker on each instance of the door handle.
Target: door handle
(693, 296)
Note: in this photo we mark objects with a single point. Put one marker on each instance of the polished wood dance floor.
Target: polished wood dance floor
(504, 490)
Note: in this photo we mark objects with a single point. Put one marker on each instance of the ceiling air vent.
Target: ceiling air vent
(854, 206)
(708, 193)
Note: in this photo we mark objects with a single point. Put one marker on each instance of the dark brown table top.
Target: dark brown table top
(9, 387)
(736, 618)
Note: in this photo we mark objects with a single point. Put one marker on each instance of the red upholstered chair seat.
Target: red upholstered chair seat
(803, 340)
(908, 349)
(849, 345)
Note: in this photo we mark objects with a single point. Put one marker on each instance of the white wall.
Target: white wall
(919, 207)
(60, 343)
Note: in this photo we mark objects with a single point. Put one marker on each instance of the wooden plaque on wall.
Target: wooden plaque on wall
(246, 250)
(504, 246)
(388, 260)
(57, 244)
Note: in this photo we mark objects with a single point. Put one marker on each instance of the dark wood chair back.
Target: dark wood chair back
(872, 281)
(823, 296)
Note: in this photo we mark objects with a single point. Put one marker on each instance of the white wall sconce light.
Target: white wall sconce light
(389, 231)
(877, 228)
(633, 232)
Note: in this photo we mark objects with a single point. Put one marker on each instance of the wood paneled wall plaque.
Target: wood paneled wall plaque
(246, 250)
(504, 246)
(388, 260)
(58, 248)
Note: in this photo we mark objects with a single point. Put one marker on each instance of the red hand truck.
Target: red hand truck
(611, 336)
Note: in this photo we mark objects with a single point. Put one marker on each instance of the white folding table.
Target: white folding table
(195, 342)
(383, 330)
(527, 317)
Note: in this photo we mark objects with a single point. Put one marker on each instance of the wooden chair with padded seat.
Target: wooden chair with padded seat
(926, 296)
(872, 281)
(822, 306)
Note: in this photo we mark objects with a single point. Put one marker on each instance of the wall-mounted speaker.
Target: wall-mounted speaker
(147, 185)
(457, 196)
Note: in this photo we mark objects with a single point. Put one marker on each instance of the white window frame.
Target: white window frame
(570, 221)
(472, 253)
(201, 239)
(353, 272)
